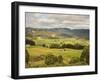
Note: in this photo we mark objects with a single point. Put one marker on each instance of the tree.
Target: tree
(60, 59)
(67, 46)
(78, 46)
(30, 42)
(85, 55)
(50, 59)
(26, 56)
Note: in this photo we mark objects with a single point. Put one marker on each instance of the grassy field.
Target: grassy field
(38, 52)
(40, 41)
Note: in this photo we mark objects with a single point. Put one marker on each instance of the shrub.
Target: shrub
(74, 60)
(50, 59)
(44, 45)
(60, 59)
(85, 55)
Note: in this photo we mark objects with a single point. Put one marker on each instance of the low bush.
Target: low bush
(44, 45)
(74, 60)
(60, 59)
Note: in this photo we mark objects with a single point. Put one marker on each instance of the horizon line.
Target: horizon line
(55, 27)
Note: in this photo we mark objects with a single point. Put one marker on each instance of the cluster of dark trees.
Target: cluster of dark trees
(85, 55)
(29, 42)
(71, 46)
(52, 59)
(75, 46)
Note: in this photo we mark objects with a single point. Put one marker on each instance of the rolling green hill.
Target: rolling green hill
(55, 47)
(58, 32)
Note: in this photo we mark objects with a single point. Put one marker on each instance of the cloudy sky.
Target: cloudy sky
(45, 20)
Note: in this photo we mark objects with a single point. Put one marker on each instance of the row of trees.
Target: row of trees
(55, 45)
(75, 46)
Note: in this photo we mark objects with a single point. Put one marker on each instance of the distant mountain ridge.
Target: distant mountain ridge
(64, 32)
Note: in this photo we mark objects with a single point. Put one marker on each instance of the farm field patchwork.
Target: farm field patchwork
(55, 52)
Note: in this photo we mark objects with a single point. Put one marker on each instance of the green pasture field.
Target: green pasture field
(37, 51)
(40, 41)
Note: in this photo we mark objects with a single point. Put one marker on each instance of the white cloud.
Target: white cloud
(43, 20)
